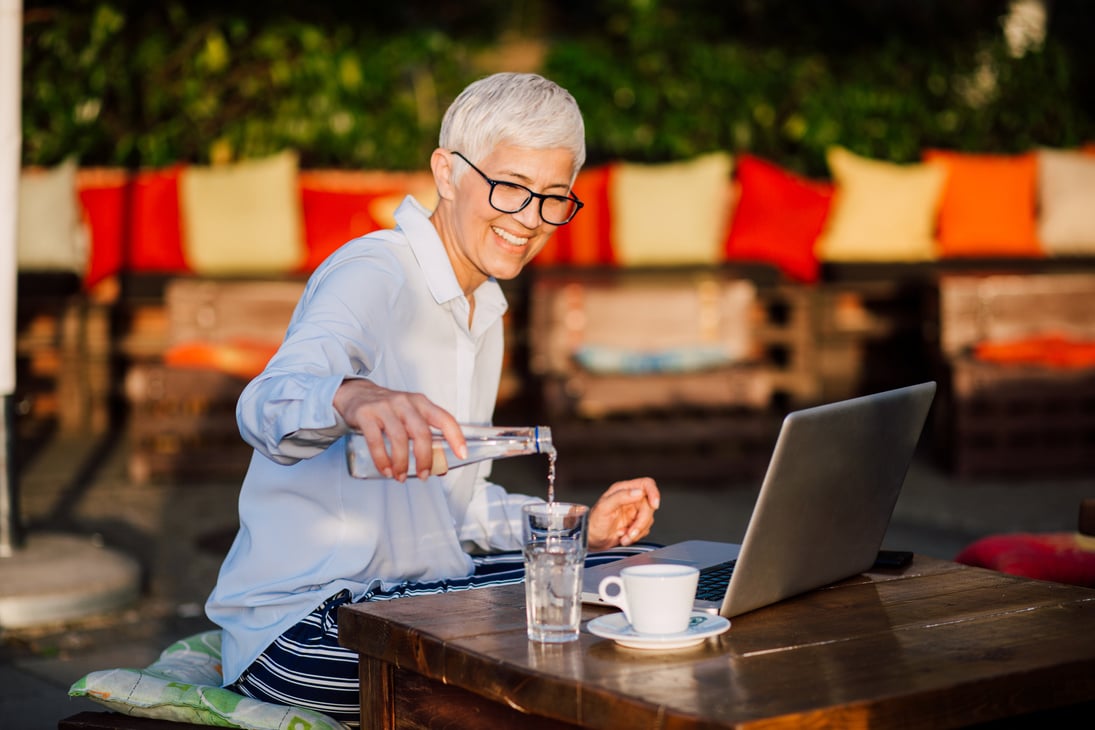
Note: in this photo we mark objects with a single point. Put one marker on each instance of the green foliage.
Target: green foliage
(132, 83)
(648, 94)
(182, 88)
(74, 101)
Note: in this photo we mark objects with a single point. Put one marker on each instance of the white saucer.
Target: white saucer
(700, 627)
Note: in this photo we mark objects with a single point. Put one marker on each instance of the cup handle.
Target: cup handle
(619, 598)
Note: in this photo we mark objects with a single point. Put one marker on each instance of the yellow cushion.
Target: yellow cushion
(50, 234)
(671, 213)
(243, 218)
(882, 211)
(1066, 222)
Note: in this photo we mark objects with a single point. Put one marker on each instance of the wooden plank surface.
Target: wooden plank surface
(937, 645)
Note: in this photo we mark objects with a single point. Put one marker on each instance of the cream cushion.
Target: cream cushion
(243, 218)
(883, 211)
(50, 233)
(1066, 223)
(671, 213)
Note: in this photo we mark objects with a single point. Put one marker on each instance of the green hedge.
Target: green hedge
(191, 89)
(131, 85)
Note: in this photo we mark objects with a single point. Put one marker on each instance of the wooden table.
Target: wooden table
(935, 645)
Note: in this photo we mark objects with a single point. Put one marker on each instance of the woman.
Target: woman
(397, 332)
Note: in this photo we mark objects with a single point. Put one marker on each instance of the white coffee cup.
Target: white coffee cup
(656, 598)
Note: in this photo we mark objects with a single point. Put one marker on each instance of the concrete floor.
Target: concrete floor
(178, 532)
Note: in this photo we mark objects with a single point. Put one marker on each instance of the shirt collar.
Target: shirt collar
(414, 220)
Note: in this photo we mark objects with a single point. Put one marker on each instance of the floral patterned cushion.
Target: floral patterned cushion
(184, 685)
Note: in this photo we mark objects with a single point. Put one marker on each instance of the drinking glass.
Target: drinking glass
(555, 537)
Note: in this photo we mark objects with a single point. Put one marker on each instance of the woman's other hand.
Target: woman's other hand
(624, 514)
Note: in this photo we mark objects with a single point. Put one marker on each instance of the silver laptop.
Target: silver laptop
(823, 507)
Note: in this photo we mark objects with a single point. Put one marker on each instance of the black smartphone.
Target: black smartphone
(893, 559)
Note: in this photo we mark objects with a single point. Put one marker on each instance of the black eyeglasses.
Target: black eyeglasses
(508, 197)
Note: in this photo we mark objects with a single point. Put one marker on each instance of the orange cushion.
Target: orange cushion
(988, 206)
(243, 358)
(586, 240)
(1049, 350)
(778, 217)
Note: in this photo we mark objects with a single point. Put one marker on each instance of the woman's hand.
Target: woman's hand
(402, 417)
(624, 514)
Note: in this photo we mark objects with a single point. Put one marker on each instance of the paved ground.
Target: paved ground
(178, 533)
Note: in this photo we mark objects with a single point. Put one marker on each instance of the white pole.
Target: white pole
(43, 578)
(11, 71)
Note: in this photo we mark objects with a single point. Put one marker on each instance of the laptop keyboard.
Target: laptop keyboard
(713, 581)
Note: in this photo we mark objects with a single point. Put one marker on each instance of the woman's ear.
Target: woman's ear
(441, 164)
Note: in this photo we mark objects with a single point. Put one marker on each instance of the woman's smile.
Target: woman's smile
(510, 238)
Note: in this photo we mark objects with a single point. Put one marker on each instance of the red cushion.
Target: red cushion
(586, 240)
(153, 241)
(778, 218)
(103, 197)
(156, 235)
(335, 213)
(1050, 556)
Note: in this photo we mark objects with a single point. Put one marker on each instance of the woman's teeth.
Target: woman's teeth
(509, 237)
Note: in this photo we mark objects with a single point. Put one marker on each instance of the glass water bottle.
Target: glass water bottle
(484, 442)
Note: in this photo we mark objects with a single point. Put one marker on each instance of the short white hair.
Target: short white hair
(520, 109)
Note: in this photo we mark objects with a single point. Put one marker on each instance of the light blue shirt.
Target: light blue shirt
(386, 306)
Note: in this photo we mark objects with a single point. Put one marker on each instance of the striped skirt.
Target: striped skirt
(306, 667)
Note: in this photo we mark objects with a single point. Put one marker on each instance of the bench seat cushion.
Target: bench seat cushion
(183, 685)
